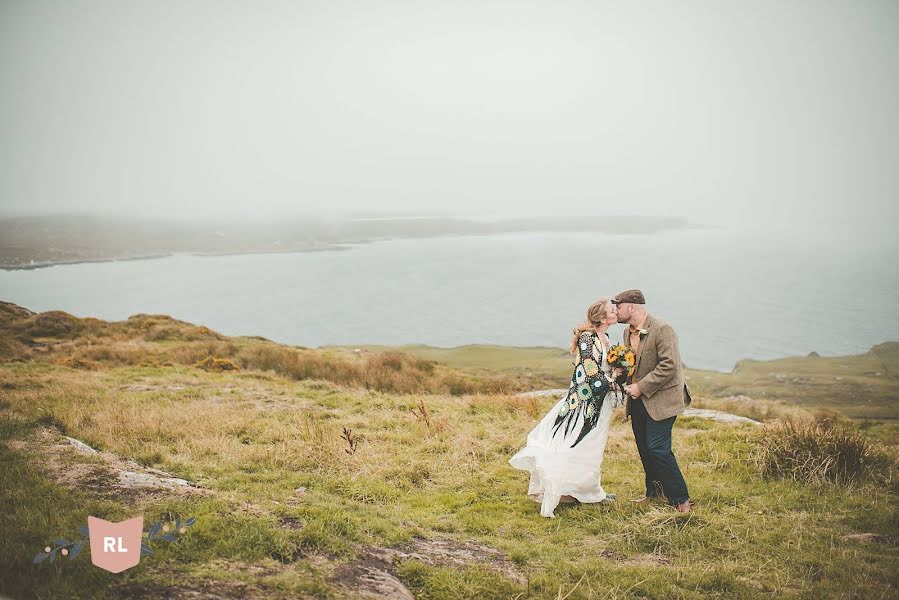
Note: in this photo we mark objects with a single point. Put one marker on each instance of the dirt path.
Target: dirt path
(699, 413)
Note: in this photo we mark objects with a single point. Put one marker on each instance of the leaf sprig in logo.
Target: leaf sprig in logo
(64, 547)
(165, 531)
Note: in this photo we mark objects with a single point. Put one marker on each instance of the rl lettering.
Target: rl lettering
(109, 544)
(115, 546)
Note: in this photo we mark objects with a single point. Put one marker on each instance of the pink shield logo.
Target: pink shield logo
(115, 546)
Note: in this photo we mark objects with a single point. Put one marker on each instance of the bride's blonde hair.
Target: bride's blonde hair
(596, 314)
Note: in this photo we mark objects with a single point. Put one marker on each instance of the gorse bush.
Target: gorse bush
(821, 450)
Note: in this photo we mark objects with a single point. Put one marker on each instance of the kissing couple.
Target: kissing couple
(564, 451)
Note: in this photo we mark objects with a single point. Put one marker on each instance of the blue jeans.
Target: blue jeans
(663, 476)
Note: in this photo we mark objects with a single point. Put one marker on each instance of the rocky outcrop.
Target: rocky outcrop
(104, 473)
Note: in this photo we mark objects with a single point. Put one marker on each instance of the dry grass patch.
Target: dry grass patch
(821, 450)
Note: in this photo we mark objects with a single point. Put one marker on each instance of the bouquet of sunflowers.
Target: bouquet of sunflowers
(622, 357)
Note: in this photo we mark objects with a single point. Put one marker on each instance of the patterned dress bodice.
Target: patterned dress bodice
(588, 389)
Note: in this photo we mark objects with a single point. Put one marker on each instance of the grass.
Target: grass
(814, 451)
(863, 387)
(252, 437)
(546, 367)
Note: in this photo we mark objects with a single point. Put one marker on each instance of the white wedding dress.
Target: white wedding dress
(564, 451)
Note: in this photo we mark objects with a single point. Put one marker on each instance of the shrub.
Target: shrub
(300, 364)
(74, 362)
(12, 350)
(114, 354)
(53, 324)
(392, 372)
(211, 363)
(820, 450)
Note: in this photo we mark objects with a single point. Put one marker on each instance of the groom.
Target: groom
(656, 395)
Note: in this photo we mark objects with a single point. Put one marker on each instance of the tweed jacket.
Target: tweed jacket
(660, 372)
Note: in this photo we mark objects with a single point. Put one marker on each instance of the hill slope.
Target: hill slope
(338, 486)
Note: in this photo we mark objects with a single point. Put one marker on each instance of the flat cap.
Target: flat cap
(631, 296)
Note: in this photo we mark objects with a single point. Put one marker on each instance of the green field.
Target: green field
(322, 474)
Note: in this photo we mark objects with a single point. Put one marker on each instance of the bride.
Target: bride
(564, 451)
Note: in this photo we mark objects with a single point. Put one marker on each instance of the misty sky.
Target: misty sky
(703, 109)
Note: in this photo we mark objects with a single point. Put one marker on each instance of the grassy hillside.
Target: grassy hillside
(334, 474)
(864, 386)
(545, 367)
(159, 340)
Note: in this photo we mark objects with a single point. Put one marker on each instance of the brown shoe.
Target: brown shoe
(569, 500)
(684, 507)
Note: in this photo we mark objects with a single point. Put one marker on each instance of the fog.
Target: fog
(711, 110)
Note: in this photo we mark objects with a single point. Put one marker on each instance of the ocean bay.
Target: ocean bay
(731, 293)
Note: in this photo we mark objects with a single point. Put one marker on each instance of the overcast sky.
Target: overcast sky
(710, 110)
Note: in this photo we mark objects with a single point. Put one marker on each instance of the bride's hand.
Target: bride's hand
(617, 372)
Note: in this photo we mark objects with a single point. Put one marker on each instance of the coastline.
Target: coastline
(40, 242)
(44, 265)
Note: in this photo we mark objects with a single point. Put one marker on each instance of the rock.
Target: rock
(814, 354)
(448, 552)
(81, 446)
(369, 576)
(123, 473)
(717, 415)
(133, 479)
